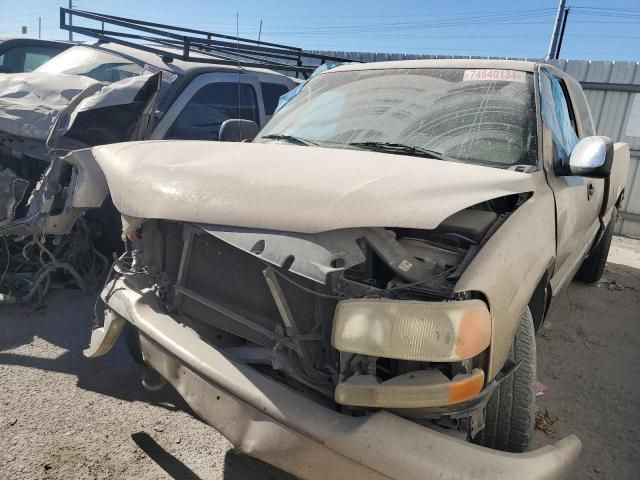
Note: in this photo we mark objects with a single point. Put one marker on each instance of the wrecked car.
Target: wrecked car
(355, 294)
(92, 95)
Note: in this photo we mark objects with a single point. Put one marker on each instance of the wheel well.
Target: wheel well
(620, 199)
(539, 302)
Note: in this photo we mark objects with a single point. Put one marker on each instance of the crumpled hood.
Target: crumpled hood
(293, 188)
(30, 102)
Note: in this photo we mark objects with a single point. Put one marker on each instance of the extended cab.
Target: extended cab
(355, 294)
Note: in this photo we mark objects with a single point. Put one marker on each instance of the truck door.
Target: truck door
(578, 199)
(207, 102)
(272, 88)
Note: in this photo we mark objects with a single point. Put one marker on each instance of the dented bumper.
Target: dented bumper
(266, 420)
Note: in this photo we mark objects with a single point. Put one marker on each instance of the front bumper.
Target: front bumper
(268, 421)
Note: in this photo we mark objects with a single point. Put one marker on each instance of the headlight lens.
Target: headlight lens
(412, 330)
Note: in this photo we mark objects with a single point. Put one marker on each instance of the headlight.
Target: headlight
(412, 330)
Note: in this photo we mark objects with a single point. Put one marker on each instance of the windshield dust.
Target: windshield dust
(475, 116)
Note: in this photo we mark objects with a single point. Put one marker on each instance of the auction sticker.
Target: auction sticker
(168, 77)
(493, 74)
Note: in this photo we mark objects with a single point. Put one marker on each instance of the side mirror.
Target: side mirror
(591, 157)
(237, 130)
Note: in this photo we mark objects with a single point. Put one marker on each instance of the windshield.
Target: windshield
(93, 63)
(476, 116)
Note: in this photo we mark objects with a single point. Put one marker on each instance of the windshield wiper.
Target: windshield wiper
(290, 139)
(391, 147)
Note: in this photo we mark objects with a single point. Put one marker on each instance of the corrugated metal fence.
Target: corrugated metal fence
(611, 88)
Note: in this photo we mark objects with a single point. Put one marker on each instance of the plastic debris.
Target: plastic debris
(541, 389)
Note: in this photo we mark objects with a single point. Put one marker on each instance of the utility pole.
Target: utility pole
(564, 25)
(70, 21)
(555, 36)
(39, 27)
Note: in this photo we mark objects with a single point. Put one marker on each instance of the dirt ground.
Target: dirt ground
(63, 416)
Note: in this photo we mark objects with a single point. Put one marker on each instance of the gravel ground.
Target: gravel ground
(63, 416)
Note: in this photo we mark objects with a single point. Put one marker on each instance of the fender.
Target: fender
(510, 265)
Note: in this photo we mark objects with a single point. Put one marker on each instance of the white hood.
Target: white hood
(293, 188)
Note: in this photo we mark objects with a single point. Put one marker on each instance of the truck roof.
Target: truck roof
(177, 66)
(521, 65)
(34, 41)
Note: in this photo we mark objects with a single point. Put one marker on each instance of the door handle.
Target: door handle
(590, 190)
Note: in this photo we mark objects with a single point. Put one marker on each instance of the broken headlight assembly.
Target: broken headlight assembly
(415, 337)
(412, 330)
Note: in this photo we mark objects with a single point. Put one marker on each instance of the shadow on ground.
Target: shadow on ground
(65, 321)
(170, 464)
(238, 466)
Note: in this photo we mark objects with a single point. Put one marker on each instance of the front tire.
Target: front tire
(593, 266)
(132, 339)
(510, 412)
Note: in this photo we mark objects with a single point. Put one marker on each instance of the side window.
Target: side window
(25, 59)
(582, 109)
(271, 93)
(214, 103)
(557, 115)
(114, 71)
(36, 56)
(10, 63)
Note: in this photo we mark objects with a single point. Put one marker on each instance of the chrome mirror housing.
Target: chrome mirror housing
(591, 157)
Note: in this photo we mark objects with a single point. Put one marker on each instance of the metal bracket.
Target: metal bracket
(281, 303)
(188, 233)
(293, 340)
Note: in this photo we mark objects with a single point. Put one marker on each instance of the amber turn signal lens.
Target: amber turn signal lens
(465, 388)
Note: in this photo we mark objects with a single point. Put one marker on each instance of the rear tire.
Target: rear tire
(510, 412)
(593, 266)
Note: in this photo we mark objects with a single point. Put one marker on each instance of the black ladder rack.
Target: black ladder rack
(192, 45)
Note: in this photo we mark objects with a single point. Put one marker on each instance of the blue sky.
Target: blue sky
(463, 27)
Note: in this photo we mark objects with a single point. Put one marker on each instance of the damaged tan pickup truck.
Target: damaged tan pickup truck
(355, 294)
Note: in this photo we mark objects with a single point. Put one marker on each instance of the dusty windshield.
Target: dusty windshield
(93, 63)
(469, 115)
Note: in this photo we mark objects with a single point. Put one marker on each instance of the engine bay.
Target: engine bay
(269, 298)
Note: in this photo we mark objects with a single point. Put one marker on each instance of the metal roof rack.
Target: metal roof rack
(194, 45)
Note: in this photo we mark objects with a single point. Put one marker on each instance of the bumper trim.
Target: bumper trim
(265, 419)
